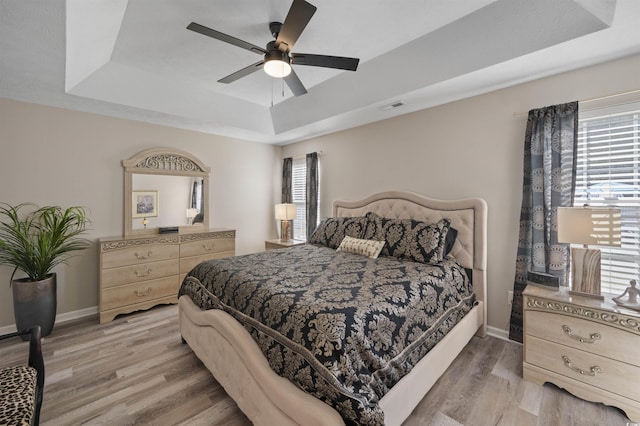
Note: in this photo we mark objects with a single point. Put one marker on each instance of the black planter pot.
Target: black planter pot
(35, 303)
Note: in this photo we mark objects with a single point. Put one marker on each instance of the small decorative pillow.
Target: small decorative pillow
(332, 230)
(409, 239)
(369, 248)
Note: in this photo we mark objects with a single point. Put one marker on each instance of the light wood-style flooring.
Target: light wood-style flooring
(135, 370)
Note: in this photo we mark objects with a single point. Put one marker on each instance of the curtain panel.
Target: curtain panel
(549, 176)
(287, 180)
(312, 193)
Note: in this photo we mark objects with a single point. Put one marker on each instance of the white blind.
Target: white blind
(299, 194)
(608, 174)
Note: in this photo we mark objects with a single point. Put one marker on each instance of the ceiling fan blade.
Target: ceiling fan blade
(295, 84)
(241, 73)
(340, 62)
(226, 38)
(297, 19)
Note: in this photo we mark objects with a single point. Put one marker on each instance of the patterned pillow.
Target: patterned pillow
(409, 239)
(369, 248)
(332, 230)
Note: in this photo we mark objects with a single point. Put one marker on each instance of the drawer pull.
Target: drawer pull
(145, 274)
(211, 247)
(592, 371)
(142, 256)
(591, 339)
(143, 293)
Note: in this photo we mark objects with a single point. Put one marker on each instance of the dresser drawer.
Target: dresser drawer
(188, 263)
(140, 254)
(582, 334)
(202, 247)
(115, 297)
(137, 273)
(613, 376)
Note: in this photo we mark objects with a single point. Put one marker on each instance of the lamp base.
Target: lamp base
(586, 272)
(285, 230)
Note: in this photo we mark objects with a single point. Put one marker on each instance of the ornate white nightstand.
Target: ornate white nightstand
(589, 347)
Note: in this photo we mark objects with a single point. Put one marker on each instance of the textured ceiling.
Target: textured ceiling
(135, 59)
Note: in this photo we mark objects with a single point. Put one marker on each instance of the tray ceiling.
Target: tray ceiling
(135, 59)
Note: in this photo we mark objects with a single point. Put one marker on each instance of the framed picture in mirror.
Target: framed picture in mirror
(145, 204)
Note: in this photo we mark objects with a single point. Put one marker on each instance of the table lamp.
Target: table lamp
(285, 213)
(589, 226)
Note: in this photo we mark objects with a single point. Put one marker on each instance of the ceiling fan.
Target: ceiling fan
(278, 57)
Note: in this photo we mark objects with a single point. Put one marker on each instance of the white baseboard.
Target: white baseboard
(498, 333)
(60, 318)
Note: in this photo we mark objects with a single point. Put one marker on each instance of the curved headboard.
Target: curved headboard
(468, 216)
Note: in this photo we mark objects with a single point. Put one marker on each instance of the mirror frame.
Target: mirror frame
(166, 162)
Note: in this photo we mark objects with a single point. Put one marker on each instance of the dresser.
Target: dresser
(140, 272)
(589, 347)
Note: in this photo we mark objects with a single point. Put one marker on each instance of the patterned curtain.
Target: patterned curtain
(197, 195)
(548, 183)
(287, 170)
(312, 193)
(194, 195)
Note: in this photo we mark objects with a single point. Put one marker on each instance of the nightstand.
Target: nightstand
(278, 244)
(586, 346)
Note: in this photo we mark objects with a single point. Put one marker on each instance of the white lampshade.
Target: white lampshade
(285, 211)
(589, 225)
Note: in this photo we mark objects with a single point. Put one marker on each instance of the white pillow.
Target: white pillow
(370, 248)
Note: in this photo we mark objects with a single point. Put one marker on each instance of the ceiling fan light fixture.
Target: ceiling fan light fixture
(276, 64)
(277, 68)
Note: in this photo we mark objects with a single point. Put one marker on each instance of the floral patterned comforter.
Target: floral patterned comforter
(341, 326)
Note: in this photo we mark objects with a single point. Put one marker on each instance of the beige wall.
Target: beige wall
(469, 148)
(61, 157)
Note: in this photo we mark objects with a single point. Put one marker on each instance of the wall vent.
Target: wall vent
(392, 105)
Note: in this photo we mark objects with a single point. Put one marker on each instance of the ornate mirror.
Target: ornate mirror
(165, 188)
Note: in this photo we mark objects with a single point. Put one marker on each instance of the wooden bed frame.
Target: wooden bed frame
(237, 363)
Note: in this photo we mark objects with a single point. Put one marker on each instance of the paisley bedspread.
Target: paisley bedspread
(341, 326)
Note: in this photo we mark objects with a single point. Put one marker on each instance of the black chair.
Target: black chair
(21, 387)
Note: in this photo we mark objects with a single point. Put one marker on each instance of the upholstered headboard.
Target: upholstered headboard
(468, 216)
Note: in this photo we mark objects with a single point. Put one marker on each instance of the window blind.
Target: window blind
(299, 194)
(608, 175)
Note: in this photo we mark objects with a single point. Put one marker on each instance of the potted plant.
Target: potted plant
(34, 240)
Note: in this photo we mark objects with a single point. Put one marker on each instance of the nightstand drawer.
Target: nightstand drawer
(203, 247)
(582, 334)
(136, 273)
(594, 370)
(135, 293)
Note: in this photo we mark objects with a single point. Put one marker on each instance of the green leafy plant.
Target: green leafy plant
(40, 238)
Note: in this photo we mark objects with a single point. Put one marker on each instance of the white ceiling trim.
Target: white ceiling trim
(135, 59)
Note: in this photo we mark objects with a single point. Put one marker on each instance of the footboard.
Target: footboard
(237, 363)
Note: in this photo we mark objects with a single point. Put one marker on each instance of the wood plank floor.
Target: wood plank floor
(135, 370)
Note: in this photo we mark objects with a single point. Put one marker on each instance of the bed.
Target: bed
(222, 338)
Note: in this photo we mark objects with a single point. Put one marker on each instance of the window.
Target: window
(608, 174)
(299, 194)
